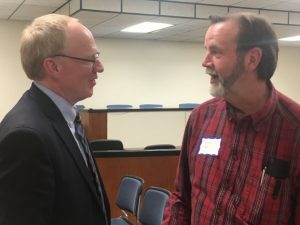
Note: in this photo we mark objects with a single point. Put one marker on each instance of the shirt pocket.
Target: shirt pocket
(265, 196)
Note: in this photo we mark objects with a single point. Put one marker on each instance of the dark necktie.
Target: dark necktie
(80, 135)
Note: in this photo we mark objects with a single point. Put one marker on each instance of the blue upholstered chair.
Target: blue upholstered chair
(188, 105)
(150, 106)
(128, 199)
(119, 106)
(153, 205)
(79, 107)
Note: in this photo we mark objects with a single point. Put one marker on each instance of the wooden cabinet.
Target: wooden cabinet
(156, 167)
(95, 124)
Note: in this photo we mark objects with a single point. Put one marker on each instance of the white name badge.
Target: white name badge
(210, 146)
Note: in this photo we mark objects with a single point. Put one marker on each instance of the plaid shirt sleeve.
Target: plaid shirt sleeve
(178, 209)
(297, 201)
(297, 213)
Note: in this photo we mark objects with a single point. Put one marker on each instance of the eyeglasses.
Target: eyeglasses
(96, 57)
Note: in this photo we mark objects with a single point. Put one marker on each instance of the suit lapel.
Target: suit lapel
(64, 133)
(72, 147)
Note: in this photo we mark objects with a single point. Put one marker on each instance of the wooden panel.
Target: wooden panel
(95, 124)
(155, 170)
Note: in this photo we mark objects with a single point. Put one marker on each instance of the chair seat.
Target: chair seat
(120, 221)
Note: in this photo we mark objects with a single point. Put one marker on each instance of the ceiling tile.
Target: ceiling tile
(186, 1)
(29, 12)
(7, 8)
(170, 20)
(105, 5)
(53, 3)
(286, 5)
(204, 11)
(10, 1)
(294, 18)
(286, 31)
(235, 10)
(276, 16)
(118, 23)
(177, 9)
(221, 2)
(91, 19)
(64, 10)
(141, 6)
(256, 3)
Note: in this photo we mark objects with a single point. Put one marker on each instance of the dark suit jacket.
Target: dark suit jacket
(43, 177)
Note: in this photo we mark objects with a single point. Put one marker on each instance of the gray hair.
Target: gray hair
(256, 31)
(44, 37)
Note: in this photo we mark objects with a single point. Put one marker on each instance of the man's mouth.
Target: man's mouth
(212, 73)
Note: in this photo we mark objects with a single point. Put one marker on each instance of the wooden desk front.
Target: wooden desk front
(156, 167)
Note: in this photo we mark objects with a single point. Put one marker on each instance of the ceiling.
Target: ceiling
(105, 18)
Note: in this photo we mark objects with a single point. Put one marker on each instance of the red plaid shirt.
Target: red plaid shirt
(224, 185)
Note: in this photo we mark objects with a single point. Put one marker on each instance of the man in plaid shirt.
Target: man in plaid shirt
(239, 162)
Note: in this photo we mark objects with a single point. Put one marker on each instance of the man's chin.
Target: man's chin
(217, 91)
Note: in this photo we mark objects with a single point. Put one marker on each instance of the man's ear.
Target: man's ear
(51, 66)
(253, 58)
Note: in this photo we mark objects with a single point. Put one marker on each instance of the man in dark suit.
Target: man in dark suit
(45, 173)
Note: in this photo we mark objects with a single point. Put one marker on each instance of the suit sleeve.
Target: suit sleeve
(26, 179)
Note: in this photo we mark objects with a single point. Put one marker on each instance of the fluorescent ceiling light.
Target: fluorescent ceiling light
(146, 27)
(292, 38)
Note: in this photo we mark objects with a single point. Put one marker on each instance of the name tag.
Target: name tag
(210, 146)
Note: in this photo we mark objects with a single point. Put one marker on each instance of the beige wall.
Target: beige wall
(137, 71)
(139, 129)
(12, 79)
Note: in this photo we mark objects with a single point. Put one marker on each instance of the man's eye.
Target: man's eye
(216, 54)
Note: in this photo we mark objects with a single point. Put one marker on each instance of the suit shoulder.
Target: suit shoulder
(24, 119)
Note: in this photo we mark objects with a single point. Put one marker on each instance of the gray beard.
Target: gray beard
(224, 85)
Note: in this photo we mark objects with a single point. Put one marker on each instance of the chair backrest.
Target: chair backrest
(153, 205)
(188, 105)
(150, 106)
(119, 106)
(160, 146)
(79, 107)
(106, 144)
(128, 196)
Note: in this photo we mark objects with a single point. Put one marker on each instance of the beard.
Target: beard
(224, 84)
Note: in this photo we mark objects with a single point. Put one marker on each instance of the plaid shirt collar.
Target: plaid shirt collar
(260, 117)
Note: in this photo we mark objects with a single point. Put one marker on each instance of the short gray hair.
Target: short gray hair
(44, 37)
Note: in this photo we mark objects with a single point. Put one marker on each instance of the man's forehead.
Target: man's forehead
(227, 30)
(226, 27)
